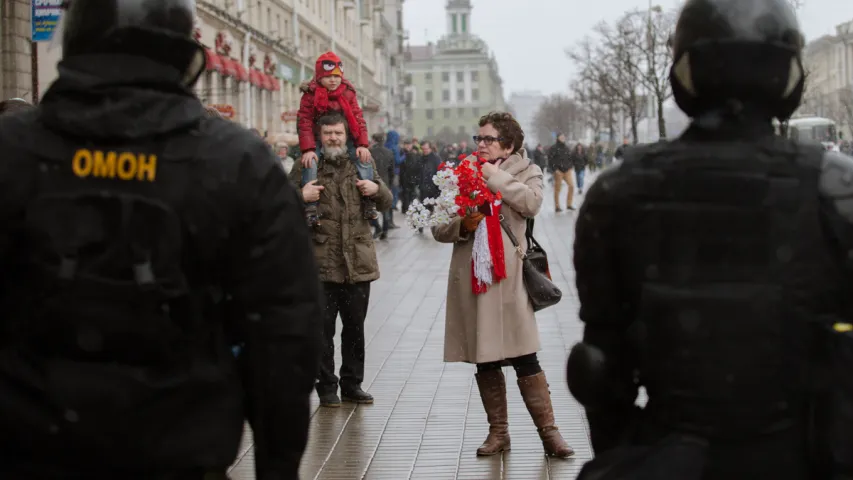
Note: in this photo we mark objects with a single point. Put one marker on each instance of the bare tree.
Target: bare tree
(594, 104)
(623, 73)
(656, 26)
(558, 113)
(593, 88)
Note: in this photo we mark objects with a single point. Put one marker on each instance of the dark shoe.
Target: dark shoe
(383, 236)
(377, 234)
(330, 400)
(580, 192)
(558, 209)
(537, 398)
(421, 230)
(370, 212)
(356, 395)
(571, 208)
(492, 385)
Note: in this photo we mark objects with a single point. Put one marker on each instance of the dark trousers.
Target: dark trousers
(387, 218)
(525, 365)
(350, 301)
(408, 195)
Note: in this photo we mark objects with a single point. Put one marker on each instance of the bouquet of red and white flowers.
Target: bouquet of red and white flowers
(464, 192)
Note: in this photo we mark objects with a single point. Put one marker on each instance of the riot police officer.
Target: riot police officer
(707, 265)
(140, 239)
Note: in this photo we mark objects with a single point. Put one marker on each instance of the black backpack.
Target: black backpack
(106, 256)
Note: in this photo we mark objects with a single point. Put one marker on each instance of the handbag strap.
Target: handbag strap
(512, 237)
(528, 234)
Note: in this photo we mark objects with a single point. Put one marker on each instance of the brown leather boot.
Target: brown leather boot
(537, 397)
(493, 392)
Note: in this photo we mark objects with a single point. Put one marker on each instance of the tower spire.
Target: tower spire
(459, 17)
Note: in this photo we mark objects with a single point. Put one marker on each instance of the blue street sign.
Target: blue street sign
(46, 15)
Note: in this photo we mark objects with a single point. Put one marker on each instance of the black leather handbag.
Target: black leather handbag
(535, 270)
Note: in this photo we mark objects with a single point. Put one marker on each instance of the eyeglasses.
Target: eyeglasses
(488, 140)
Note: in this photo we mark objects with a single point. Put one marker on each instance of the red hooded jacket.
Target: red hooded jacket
(306, 119)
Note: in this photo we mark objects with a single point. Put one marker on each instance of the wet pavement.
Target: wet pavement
(427, 421)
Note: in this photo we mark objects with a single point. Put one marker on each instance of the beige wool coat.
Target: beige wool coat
(498, 324)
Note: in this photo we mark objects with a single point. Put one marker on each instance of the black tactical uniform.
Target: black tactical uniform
(139, 239)
(708, 266)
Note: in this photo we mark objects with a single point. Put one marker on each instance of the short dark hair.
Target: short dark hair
(379, 137)
(507, 127)
(333, 118)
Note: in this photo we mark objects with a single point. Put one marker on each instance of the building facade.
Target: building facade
(524, 106)
(829, 82)
(258, 54)
(453, 83)
(390, 41)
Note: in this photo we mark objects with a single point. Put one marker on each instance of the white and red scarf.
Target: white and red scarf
(487, 258)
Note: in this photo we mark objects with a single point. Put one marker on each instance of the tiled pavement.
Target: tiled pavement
(428, 421)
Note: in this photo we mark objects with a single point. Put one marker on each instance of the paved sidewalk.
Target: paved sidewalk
(428, 421)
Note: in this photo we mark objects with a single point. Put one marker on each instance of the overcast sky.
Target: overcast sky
(529, 37)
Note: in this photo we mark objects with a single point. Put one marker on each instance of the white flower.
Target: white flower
(436, 211)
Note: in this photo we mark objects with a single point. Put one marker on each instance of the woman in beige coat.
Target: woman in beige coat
(498, 327)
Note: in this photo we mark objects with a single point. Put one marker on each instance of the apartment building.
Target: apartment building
(829, 86)
(454, 82)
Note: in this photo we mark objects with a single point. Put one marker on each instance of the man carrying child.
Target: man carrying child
(326, 93)
(346, 256)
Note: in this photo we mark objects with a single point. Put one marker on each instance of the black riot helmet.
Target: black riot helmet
(731, 53)
(158, 29)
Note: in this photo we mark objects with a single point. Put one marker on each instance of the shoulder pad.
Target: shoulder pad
(836, 182)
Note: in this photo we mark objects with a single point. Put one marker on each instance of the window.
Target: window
(429, 114)
(460, 95)
(430, 131)
(464, 23)
(475, 76)
(476, 112)
(475, 95)
(428, 95)
(445, 77)
(408, 79)
(428, 77)
(445, 95)
(461, 112)
(454, 20)
(460, 77)
(446, 113)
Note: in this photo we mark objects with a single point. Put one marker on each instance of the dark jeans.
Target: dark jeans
(350, 301)
(408, 195)
(579, 175)
(387, 218)
(525, 365)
